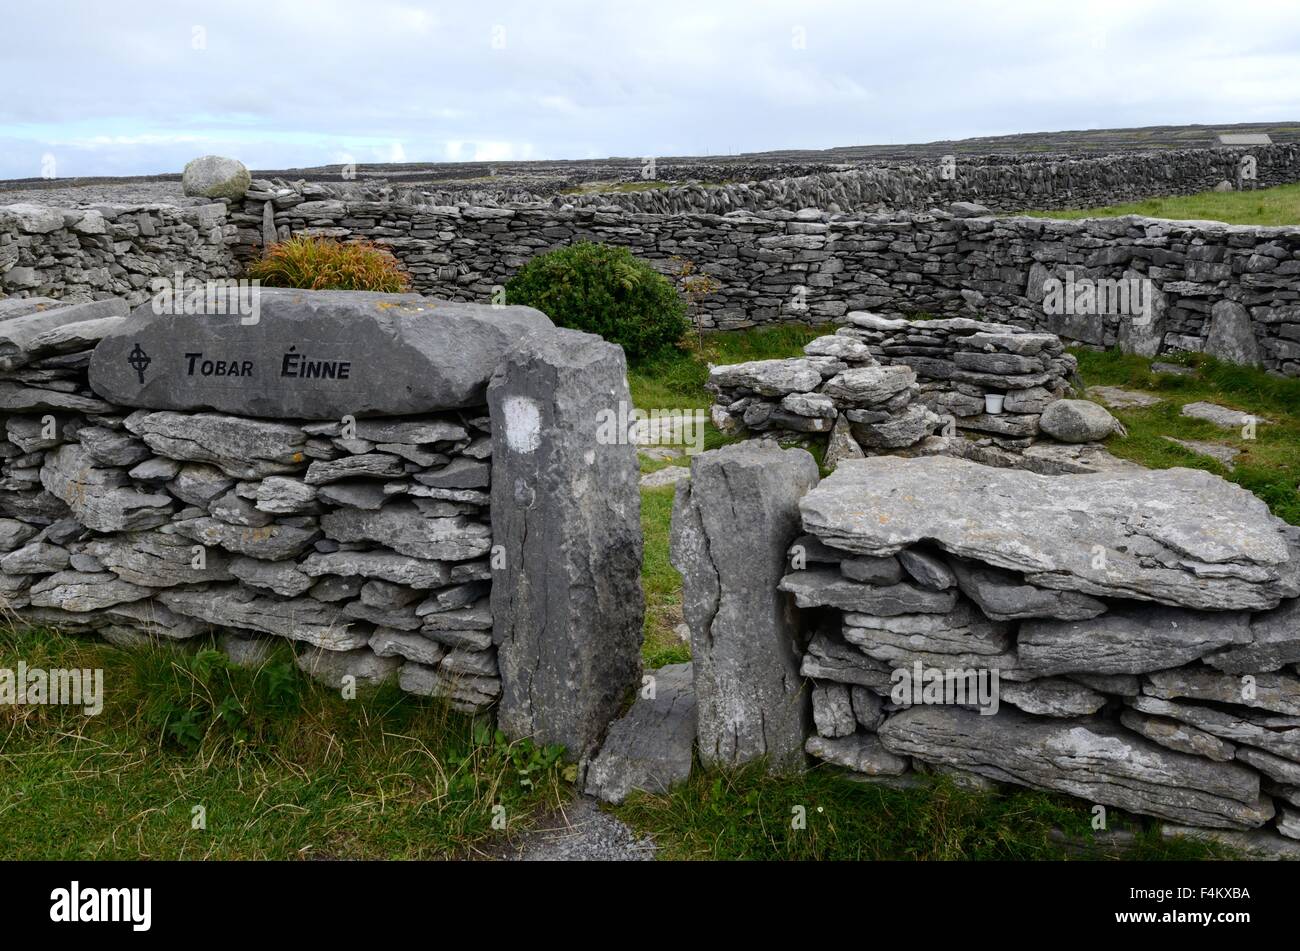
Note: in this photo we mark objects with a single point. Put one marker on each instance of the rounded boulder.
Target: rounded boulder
(213, 176)
(1078, 421)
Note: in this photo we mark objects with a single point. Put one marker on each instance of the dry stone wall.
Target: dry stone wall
(379, 515)
(77, 254)
(1005, 183)
(1129, 638)
(1231, 290)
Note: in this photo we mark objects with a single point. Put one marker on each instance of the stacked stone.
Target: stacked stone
(109, 250)
(960, 362)
(838, 386)
(369, 546)
(1002, 182)
(1144, 628)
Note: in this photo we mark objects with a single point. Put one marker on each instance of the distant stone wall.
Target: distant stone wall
(1234, 290)
(374, 510)
(80, 254)
(1000, 182)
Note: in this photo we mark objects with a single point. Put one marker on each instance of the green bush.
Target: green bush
(603, 290)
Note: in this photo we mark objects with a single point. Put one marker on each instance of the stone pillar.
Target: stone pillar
(567, 604)
(733, 522)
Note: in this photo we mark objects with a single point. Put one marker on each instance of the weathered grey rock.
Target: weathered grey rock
(16, 398)
(1177, 536)
(822, 587)
(1257, 844)
(902, 429)
(332, 668)
(1078, 421)
(1274, 767)
(214, 176)
(861, 752)
(404, 528)
(732, 525)
(841, 444)
(233, 510)
(38, 558)
(867, 708)
(829, 658)
(314, 355)
(300, 619)
(1118, 685)
(246, 652)
(74, 337)
(476, 617)
(241, 448)
(386, 642)
(198, 484)
(387, 565)
(927, 569)
(809, 404)
(283, 496)
(1274, 643)
(1084, 757)
(371, 465)
(869, 386)
(1226, 455)
(1052, 697)
(1277, 692)
(1130, 639)
(270, 542)
(1221, 416)
(358, 494)
(881, 571)
(101, 498)
(961, 638)
(467, 694)
(15, 533)
(458, 474)
(111, 448)
(833, 710)
(19, 335)
(768, 377)
(649, 748)
(1003, 596)
(1178, 736)
(79, 592)
(1231, 336)
(1277, 735)
(568, 606)
(334, 588)
(1119, 398)
(282, 577)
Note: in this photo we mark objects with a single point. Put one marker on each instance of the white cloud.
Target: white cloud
(298, 82)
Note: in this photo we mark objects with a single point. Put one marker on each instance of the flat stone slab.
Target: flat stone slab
(649, 748)
(1222, 416)
(310, 354)
(1176, 536)
(1085, 757)
(1119, 398)
(1226, 455)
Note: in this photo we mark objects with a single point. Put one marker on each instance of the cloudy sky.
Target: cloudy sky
(133, 87)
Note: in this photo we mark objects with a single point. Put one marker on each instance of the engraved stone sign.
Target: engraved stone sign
(309, 355)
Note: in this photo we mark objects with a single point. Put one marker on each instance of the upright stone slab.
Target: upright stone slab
(732, 524)
(567, 605)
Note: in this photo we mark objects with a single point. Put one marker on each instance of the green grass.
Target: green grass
(1269, 464)
(283, 768)
(744, 814)
(1279, 205)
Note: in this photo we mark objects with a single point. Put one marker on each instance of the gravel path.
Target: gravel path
(582, 832)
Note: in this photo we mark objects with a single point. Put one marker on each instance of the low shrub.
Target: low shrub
(603, 290)
(323, 264)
